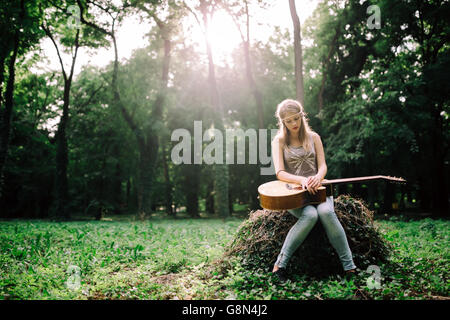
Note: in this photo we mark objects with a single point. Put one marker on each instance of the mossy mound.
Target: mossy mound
(259, 240)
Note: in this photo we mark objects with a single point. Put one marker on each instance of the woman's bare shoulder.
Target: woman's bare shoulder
(279, 139)
(315, 135)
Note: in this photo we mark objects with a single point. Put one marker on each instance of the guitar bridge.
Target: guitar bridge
(289, 187)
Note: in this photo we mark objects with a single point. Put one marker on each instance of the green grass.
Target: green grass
(172, 259)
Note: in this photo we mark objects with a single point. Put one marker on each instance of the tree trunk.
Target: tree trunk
(325, 65)
(61, 182)
(101, 191)
(209, 201)
(128, 197)
(147, 163)
(259, 104)
(388, 198)
(439, 185)
(298, 54)
(221, 175)
(117, 188)
(6, 113)
(191, 187)
(357, 190)
(251, 81)
(248, 62)
(169, 200)
(424, 194)
(148, 146)
(402, 205)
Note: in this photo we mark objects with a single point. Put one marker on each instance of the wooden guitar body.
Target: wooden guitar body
(280, 195)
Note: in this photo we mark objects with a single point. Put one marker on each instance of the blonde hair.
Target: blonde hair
(293, 106)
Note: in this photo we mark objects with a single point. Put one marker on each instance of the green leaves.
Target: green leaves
(167, 258)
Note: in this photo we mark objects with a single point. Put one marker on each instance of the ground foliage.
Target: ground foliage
(167, 259)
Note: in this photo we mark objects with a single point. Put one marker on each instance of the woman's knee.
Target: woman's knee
(327, 214)
(310, 214)
(326, 210)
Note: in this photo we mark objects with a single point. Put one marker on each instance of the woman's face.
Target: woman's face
(293, 121)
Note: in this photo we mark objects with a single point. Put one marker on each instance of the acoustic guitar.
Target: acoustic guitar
(281, 195)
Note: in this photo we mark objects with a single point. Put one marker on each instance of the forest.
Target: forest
(99, 142)
(141, 138)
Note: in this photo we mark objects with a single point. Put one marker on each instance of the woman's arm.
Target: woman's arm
(320, 156)
(314, 182)
(278, 162)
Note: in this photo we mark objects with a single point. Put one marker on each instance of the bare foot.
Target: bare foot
(275, 268)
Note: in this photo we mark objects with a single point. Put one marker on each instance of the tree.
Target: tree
(61, 183)
(422, 37)
(235, 10)
(300, 91)
(146, 134)
(29, 172)
(166, 27)
(19, 33)
(206, 9)
(383, 101)
(65, 37)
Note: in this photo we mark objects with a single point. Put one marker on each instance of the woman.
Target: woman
(298, 157)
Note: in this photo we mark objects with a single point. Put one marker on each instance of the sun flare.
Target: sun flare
(223, 35)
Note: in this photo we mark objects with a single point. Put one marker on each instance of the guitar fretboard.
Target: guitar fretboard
(360, 179)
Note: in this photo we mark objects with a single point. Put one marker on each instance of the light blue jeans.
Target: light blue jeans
(307, 218)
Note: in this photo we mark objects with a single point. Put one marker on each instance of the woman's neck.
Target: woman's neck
(294, 140)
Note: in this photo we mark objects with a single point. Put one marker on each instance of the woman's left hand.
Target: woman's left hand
(313, 184)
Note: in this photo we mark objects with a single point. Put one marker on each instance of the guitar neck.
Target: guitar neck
(361, 179)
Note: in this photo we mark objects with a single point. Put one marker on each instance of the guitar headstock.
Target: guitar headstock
(394, 179)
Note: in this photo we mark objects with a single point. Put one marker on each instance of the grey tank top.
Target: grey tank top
(300, 162)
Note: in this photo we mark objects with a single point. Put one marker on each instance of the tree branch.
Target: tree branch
(195, 16)
(74, 57)
(90, 24)
(49, 34)
(236, 23)
(92, 96)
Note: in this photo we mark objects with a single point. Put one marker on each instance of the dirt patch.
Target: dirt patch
(165, 279)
